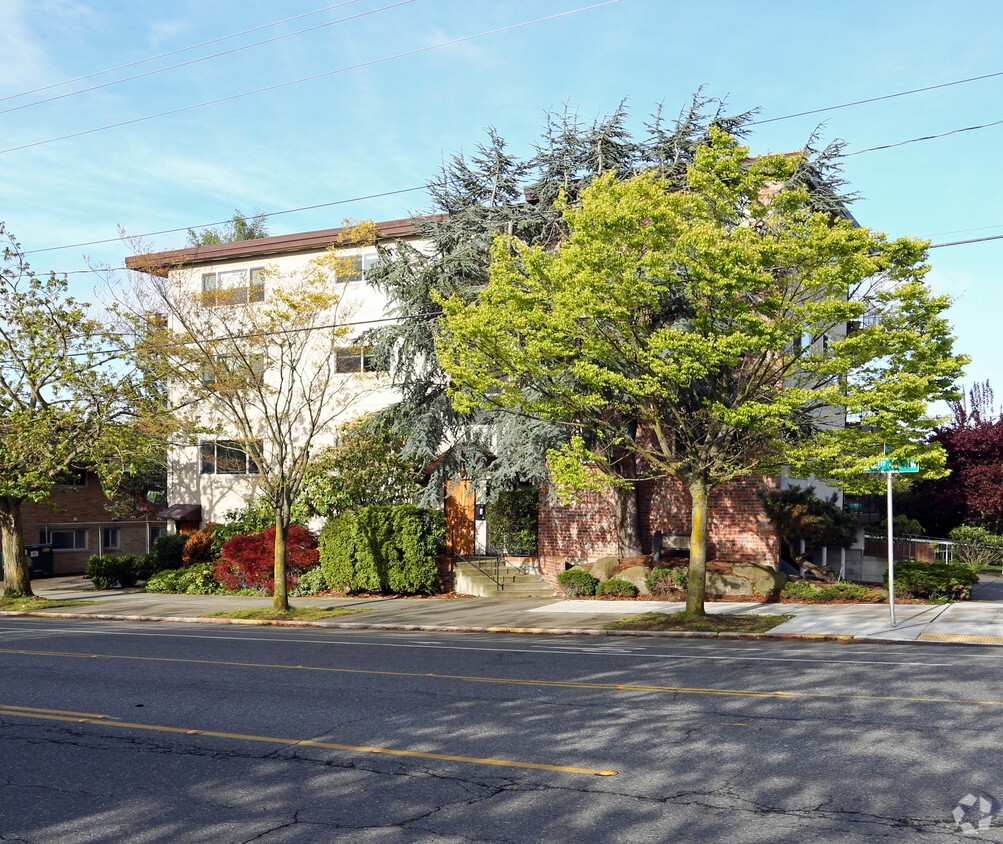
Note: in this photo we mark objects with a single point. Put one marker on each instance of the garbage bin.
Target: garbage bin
(40, 560)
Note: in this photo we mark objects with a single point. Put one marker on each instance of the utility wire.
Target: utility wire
(879, 99)
(206, 58)
(327, 73)
(224, 222)
(175, 52)
(924, 138)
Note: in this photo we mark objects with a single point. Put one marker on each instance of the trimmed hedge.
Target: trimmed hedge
(577, 583)
(194, 580)
(617, 587)
(108, 571)
(168, 549)
(383, 549)
(937, 581)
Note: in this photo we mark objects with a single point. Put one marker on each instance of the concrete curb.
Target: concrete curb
(437, 628)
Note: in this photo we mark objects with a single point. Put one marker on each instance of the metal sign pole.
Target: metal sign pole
(891, 553)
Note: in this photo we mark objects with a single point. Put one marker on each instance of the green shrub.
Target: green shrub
(146, 566)
(383, 549)
(168, 580)
(108, 571)
(805, 590)
(936, 581)
(310, 583)
(194, 580)
(577, 583)
(514, 521)
(168, 550)
(664, 581)
(976, 547)
(617, 587)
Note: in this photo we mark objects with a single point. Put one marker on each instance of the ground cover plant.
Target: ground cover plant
(687, 622)
(292, 614)
(934, 581)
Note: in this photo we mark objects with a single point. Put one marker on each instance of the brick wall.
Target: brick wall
(84, 508)
(584, 531)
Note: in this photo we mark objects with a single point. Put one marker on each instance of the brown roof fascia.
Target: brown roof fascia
(159, 263)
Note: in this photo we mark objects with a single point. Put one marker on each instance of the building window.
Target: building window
(64, 540)
(75, 476)
(227, 457)
(362, 265)
(110, 538)
(235, 371)
(234, 287)
(355, 359)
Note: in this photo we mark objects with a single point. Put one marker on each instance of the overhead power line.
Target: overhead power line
(880, 98)
(175, 52)
(224, 222)
(924, 138)
(327, 73)
(206, 58)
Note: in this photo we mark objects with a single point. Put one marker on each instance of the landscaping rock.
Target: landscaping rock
(636, 575)
(603, 568)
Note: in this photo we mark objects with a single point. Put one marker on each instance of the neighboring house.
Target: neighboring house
(207, 480)
(75, 522)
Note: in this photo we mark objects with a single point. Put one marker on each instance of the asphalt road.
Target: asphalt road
(186, 733)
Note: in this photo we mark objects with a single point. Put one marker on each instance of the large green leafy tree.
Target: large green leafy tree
(490, 192)
(701, 327)
(70, 395)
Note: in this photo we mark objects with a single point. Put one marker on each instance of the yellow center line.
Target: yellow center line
(59, 715)
(561, 684)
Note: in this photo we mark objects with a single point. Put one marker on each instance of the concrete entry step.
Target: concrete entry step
(473, 578)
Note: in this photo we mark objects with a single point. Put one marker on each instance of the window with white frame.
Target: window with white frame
(351, 359)
(110, 538)
(227, 457)
(362, 265)
(63, 539)
(235, 371)
(234, 287)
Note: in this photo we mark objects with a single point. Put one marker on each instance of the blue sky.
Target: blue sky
(386, 126)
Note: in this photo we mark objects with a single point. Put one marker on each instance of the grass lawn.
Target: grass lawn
(699, 623)
(294, 613)
(34, 604)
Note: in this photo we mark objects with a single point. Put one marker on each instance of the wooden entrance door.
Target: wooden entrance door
(460, 500)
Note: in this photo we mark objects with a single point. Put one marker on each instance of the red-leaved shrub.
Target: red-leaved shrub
(248, 562)
(198, 549)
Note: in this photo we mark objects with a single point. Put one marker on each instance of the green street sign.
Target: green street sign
(886, 464)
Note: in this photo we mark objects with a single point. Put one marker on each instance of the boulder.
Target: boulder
(636, 575)
(766, 580)
(603, 568)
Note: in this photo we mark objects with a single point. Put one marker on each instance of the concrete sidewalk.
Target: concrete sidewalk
(978, 621)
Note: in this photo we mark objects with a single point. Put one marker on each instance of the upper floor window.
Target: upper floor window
(235, 371)
(226, 457)
(362, 264)
(355, 359)
(234, 287)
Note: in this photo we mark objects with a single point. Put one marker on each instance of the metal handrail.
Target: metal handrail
(473, 560)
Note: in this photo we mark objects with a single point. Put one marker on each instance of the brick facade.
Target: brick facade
(85, 508)
(584, 531)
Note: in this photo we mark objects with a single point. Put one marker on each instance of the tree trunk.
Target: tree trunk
(281, 598)
(628, 526)
(696, 581)
(16, 571)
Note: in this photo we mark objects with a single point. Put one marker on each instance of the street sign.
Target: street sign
(886, 464)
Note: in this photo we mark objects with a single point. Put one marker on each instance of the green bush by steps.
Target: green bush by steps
(383, 549)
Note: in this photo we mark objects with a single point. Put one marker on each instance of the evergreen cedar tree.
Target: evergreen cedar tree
(71, 394)
(696, 331)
